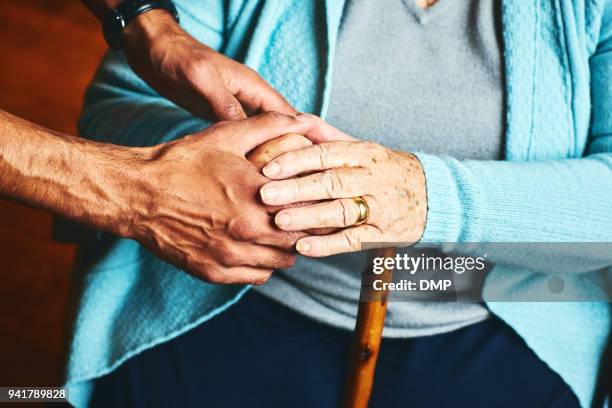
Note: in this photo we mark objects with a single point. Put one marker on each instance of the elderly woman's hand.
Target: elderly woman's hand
(391, 183)
(270, 150)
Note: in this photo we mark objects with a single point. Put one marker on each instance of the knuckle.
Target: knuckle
(371, 145)
(285, 261)
(231, 108)
(284, 240)
(260, 279)
(253, 74)
(374, 149)
(229, 258)
(314, 120)
(295, 188)
(273, 117)
(347, 213)
(216, 274)
(242, 229)
(322, 152)
(333, 183)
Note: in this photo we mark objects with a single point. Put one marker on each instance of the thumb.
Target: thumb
(223, 103)
(261, 97)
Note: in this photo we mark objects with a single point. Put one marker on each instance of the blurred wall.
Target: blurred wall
(49, 50)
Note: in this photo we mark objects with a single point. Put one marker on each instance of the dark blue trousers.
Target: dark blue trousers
(261, 354)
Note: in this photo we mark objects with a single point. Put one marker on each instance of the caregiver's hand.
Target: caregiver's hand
(392, 184)
(194, 202)
(194, 76)
(264, 153)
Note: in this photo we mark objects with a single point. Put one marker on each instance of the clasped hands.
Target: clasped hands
(236, 201)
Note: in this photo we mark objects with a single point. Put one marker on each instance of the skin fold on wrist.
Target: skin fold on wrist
(149, 26)
(106, 188)
(123, 187)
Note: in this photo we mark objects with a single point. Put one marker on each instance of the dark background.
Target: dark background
(48, 52)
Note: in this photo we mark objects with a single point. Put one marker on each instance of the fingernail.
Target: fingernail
(283, 220)
(268, 194)
(271, 169)
(302, 246)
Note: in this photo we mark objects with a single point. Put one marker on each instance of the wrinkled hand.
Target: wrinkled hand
(197, 206)
(392, 183)
(194, 76)
(268, 151)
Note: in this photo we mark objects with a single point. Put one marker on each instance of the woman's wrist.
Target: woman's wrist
(444, 221)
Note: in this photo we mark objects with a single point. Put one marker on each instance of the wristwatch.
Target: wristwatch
(117, 19)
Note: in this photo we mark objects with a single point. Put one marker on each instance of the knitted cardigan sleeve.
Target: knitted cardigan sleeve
(568, 200)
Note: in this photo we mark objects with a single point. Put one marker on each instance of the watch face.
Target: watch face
(112, 28)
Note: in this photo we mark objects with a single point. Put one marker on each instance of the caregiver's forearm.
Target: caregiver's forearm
(79, 179)
(189, 201)
(151, 20)
(188, 72)
(144, 26)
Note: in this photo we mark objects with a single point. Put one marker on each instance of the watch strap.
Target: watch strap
(126, 12)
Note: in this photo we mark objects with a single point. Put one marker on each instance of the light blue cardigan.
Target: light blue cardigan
(555, 185)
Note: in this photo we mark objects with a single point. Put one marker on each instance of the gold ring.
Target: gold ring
(364, 210)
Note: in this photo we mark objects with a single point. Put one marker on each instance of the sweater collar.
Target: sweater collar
(333, 15)
(519, 19)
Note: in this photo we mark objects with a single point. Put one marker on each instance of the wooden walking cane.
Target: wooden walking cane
(367, 338)
(371, 313)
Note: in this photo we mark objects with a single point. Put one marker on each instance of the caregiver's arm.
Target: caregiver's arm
(188, 72)
(192, 201)
(74, 177)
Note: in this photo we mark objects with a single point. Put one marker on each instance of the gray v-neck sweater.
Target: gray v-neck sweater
(413, 80)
